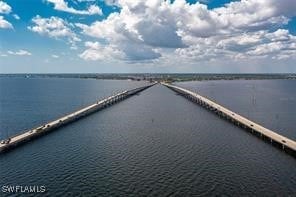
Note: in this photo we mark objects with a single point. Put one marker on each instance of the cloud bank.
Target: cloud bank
(154, 29)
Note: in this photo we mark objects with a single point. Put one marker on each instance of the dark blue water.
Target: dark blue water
(29, 102)
(153, 144)
(271, 103)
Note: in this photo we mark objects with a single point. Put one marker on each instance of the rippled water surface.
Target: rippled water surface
(271, 103)
(154, 144)
(28, 102)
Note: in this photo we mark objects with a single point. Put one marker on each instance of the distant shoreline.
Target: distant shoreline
(175, 77)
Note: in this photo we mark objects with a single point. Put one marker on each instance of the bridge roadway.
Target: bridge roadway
(274, 138)
(14, 141)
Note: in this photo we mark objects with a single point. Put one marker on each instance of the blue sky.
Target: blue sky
(85, 36)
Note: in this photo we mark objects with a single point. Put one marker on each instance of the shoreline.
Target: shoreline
(159, 77)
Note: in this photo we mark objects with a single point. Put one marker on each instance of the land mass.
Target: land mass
(167, 77)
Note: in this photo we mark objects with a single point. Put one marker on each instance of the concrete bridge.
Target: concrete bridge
(272, 137)
(284, 143)
(29, 135)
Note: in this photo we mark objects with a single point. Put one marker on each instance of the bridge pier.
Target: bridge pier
(46, 128)
(267, 135)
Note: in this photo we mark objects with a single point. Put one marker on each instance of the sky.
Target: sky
(147, 36)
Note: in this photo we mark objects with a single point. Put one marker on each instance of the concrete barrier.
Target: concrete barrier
(31, 134)
(284, 143)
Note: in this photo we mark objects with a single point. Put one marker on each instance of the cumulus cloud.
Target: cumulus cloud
(94, 52)
(55, 56)
(62, 5)
(278, 44)
(4, 8)
(254, 15)
(54, 27)
(16, 16)
(4, 24)
(20, 53)
(145, 30)
(248, 45)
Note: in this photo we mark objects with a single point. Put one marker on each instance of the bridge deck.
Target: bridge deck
(38, 131)
(285, 142)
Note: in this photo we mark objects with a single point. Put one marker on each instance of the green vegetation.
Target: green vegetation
(167, 77)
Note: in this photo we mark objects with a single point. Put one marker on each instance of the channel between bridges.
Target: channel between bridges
(15, 141)
(284, 143)
(281, 142)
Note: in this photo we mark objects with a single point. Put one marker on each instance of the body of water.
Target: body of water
(30, 102)
(156, 143)
(271, 103)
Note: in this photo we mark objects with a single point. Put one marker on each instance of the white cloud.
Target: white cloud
(62, 5)
(254, 15)
(95, 51)
(150, 29)
(242, 46)
(93, 9)
(54, 27)
(4, 24)
(279, 35)
(277, 45)
(19, 52)
(4, 8)
(55, 56)
(16, 16)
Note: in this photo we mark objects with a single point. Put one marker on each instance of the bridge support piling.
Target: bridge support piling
(265, 134)
(29, 135)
